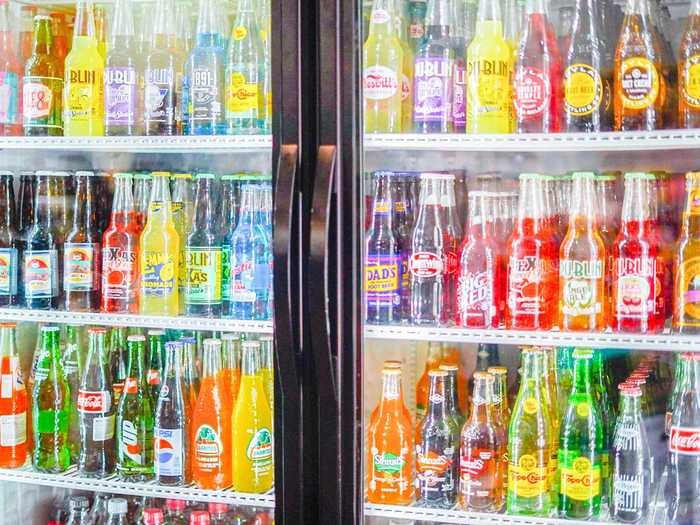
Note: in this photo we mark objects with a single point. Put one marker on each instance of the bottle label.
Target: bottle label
(118, 272)
(382, 284)
(260, 450)
(168, 451)
(640, 83)
(158, 99)
(94, 402)
(583, 90)
(208, 448)
(40, 273)
(153, 377)
(406, 88)
(51, 421)
(634, 287)
(476, 467)
(78, 267)
(379, 82)
(475, 292)
(527, 479)
(8, 271)
(205, 97)
(425, 265)
(9, 98)
(379, 16)
(203, 281)
(131, 386)
(432, 89)
(13, 429)
(628, 493)
(579, 281)
(158, 274)
(531, 92)
(242, 95)
(527, 278)
(83, 95)
(130, 446)
(38, 101)
(489, 95)
(580, 478)
(691, 81)
(459, 95)
(388, 464)
(242, 276)
(690, 292)
(685, 441)
(120, 96)
(226, 273)
(433, 470)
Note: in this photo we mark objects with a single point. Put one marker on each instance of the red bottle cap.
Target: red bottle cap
(153, 516)
(199, 517)
(218, 508)
(175, 504)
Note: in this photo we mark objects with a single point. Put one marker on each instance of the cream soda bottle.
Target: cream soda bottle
(159, 253)
(253, 469)
(83, 92)
(489, 67)
(382, 58)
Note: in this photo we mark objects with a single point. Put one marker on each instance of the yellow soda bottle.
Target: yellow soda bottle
(83, 92)
(159, 252)
(489, 66)
(253, 469)
(407, 70)
(382, 76)
(267, 369)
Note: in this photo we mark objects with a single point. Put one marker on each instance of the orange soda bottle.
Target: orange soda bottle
(13, 402)
(582, 262)
(390, 446)
(686, 304)
(689, 71)
(211, 422)
(231, 357)
(390, 365)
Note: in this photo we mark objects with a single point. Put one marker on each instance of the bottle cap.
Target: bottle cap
(187, 340)
(8, 324)
(142, 175)
(175, 504)
(117, 506)
(6, 173)
(97, 330)
(61, 174)
(153, 516)
(211, 342)
(123, 175)
(251, 344)
(437, 373)
(179, 175)
(199, 517)
(635, 175)
(482, 375)
(50, 328)
(78, 503)
(218, 508)
(448, 367)
(205, 176)
(583, 175)
(135, 338)
(160, 174)
(392, 364)
(497, 370)
(529, 176)
(84, 173)
(230, 336)
(437, 176)
(43, 173)
(156, 331)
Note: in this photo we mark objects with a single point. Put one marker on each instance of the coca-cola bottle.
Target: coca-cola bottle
(683, 484)
(630, 489)
(96, 410)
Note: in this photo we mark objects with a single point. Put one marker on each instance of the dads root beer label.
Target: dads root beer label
(383, 279)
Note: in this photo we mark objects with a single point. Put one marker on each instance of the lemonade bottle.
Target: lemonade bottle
(159, 252)
(253, 469)
(83, 94)
(489, 67)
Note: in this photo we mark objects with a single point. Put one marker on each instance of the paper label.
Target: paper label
(159, 99)
(13, 429)
(382, 273)
(531, 92)
(205, 98)
(580, 479)
(41, 273)
(103, 428)
(78, 267)
(432, 89)
(120, 96)
(208, 448)
(242, 282)
(426, 265)
(94, 402)
(583, 90)
(130, 446)
(527, 478)
(157, 274)
(640, 83)
(168, 452)
(8, 271)
(83, 95)
(691, 86)
(203, 280)
(9, 97)
(118, 272)
(242, 95)
(379, 82)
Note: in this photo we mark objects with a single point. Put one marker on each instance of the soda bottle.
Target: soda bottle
(100, 15)
(78, 508)
(141, 196)
(383, 59)
(189, 372)
(163, 75)
(60, 41)
(267, 369)
(96, 410)
(480, 281)
(587, 73)
(50, 407)
(117, 361)
(689, 71)
(582, 258)
(686, 315)
(231, 362)
(83, 93)
(42, 84)
(81, 251)
(203, 85)
(183, 197)
(13, 402)
(390, 446)
(603, 392)
(43, 250)
(154, 516)
(253, 468)
(636, 287)
(10, 72)
(630, 488)
(9, 241)
(211, 422)
(159, 248)
(407, 67)
(122, 76)
(117, 509)
(73, 365)
(489, 70)
(120, 252)
(530, 442)
(173, 421)
(581, 445)
(245, 73)
(203, 256)
(640, 87)
(482, 465)
(383, 268)
(25, 204)
(532, 280)
(433, 70)
(219, 513)
(537, 89)
(155, 363)
(423, 385)
(134, 422)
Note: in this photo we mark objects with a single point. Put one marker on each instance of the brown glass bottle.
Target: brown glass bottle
(9, 262)
(689, 71)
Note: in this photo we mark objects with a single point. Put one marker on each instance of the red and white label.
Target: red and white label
(36, 100)
(94, 402)
(451, 263)
(153, 377)
(426, 264)
(475, 462)
(380, 16)
(380, 82)
(531, 92)
(685, 441)
(130, 385)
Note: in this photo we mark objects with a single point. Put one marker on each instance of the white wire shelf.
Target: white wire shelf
(577, 142)
(188, 144)
(142, 321)
(73, 480)
(608, 339)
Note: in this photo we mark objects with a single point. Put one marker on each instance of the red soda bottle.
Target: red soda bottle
(637, 295)
(13, 402)
(533, 263)
(480, 278)
(120, 245)
(538, 88)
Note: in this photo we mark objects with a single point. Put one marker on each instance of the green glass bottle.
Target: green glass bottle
(580, 446)
(602, 391)
(72, 362)
(135, 418)
(565, 379)
(155, 362)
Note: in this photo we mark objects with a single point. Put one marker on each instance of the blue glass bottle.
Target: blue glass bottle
(262, 278)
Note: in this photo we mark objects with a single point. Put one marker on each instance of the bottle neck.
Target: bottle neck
(479, 214)
(451, 401)
(391, 393)
(582, 210)
(436, 399)
(249, 361)
(160, 204)
(122, 24)
(631, 407)
(212, 360)
(84, 21)
(582, 375)
(136, 359)
(489, 11)
(382, 206)
(531, 205)
(635, 206)
(173, 362)
(206, 19)
(482, 402)
(7, 342)
(638, 7)
(248, 214)
(42, 205)
(123, 204)
(84, 216)
(535, 7)
(382, 20)
(205, 212)
(43, 38)
(8, 218)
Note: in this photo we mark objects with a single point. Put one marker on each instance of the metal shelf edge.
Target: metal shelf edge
(196, 144)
